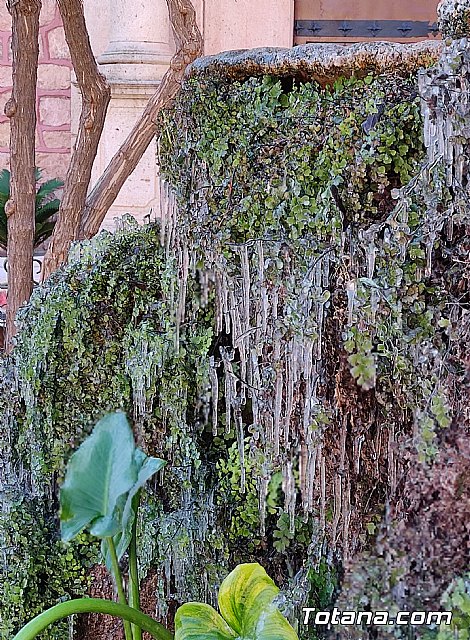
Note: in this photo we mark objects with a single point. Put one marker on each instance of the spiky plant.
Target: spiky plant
(46, 206)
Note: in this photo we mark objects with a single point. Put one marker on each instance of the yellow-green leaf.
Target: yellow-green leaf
(195, 621)
(247, 607)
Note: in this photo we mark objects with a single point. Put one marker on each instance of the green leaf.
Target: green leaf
(102, 478)
(5, 184)
(146, 468)
(47, 188)
(46, 211)
(99, 476)
(195, 621)
(45, 206)
(246, 603)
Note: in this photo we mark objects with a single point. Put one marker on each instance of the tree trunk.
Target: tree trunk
(21, 109)
(95, 99)
(189, 42)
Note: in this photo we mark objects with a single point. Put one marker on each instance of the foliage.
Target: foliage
(74, 363)
(273, 159)
(317, 211)
(40, 568)
(46, 207)
(457, 599)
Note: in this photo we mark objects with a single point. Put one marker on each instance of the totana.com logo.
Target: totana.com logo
(378, 618)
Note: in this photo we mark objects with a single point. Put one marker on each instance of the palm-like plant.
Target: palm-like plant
(46, 206)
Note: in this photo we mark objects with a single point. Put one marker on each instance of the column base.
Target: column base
(134, 65)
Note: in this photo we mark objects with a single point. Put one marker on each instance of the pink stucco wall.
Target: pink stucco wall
(53, 93)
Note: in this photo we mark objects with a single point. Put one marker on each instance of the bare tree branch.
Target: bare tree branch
(95, 94)
(189, 42)
(21, 109)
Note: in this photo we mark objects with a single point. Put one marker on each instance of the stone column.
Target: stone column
(133, 45)
(139, 47)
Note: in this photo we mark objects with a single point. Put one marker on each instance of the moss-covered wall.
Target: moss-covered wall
(334, 246)
(289, 339)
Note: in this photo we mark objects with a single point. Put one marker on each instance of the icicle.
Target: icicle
(246, 285)
(346, 516)
(230, 387)
(320, 320)
(310, 470)
(357, 448)
(289, 493)
(163, 188)
(214, 381)
(290, 375)
(274, 310)
(263, 486)
(370, 253)
(351, 293)
(430, 239)
(256, 384)
(337, 508)
(374, 303)
(308, 399)
(303, 454)
(392, 467)
(344, 431)
(326, 270)
(279, 386)
(225, 305)
(219, 311)
(180, 312)
(321, 458)
(241, 449)
(450, 227)
(171, 217)
(262, 319)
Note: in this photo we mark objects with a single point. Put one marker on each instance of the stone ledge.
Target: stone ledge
(322, 63)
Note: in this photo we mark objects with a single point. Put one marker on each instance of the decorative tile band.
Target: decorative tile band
(378, 29)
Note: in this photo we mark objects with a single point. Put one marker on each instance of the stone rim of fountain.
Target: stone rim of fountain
(323, 63)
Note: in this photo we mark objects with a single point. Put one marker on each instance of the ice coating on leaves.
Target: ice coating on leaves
(275, 327)
(281, 290)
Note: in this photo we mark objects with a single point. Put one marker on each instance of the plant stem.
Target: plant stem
(120, 588)
(134, 595)
(92, 605)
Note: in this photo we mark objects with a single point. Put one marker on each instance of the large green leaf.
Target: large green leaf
(99, 475)
(102, 477)
(248, 611)
(146, 468)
